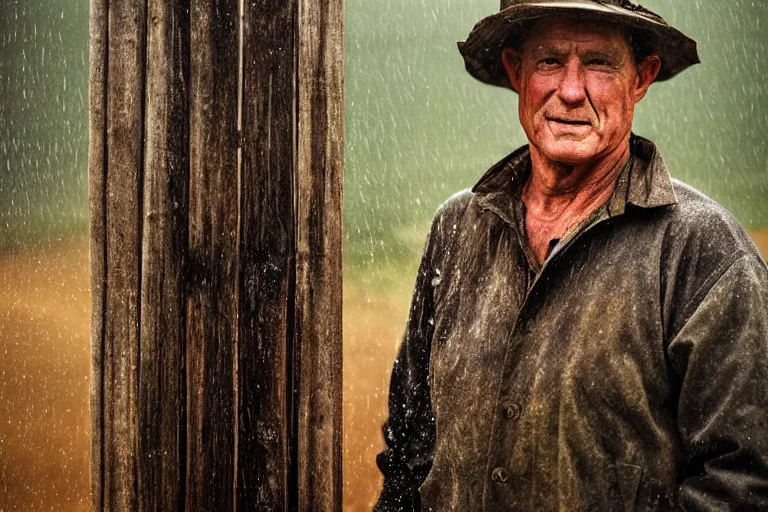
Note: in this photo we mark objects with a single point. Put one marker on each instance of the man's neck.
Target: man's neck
(559, 196)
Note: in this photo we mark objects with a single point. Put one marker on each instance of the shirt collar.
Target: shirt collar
(645, 182)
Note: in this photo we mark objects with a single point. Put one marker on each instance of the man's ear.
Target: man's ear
(513, 63)
(647, 71)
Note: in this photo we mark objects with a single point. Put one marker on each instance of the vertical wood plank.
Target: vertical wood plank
(213, 237)
(319, 264)
(217, 320)
(162, 390)
(123, 234)
(266, 253)
(97, 112)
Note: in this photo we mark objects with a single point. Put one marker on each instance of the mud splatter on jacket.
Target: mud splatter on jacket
(629, 372)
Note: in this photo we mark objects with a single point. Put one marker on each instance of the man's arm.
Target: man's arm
(721, 355)
(410, 429)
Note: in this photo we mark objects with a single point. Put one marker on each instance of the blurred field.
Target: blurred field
(373, 325)
(44, 377)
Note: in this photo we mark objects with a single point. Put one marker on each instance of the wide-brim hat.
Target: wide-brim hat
(483, 47)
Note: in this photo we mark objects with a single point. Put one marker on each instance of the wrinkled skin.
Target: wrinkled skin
(578, 86)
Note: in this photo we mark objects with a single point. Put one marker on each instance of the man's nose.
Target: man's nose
(572, 89)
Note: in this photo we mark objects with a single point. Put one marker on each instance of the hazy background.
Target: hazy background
(418, 129)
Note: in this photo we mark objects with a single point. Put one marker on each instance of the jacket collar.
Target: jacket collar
(645, 182)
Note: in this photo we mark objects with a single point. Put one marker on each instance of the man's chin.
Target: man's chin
(570, 152)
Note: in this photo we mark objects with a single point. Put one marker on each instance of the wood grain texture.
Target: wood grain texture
(266, 254)
(97, 134)
(213, 256)
(162, 389)
(125, 78)
(320, 152)
(216, 270)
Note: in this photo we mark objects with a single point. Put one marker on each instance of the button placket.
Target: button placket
(501, 427)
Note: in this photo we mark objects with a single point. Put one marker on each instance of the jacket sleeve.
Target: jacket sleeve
(721, 355)
(409, 432)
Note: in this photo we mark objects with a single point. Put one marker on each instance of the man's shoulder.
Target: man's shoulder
(698, 223)
(457, 204)
(452, 216)
(698, 212)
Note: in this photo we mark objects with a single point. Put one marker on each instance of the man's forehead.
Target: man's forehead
(562, 34)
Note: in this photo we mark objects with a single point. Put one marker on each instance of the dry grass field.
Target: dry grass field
(44, 379)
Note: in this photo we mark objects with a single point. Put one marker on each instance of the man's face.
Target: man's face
(578, 85)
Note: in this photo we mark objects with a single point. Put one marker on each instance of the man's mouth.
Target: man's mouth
(572, 122)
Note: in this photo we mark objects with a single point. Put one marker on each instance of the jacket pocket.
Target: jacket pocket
(628, 477)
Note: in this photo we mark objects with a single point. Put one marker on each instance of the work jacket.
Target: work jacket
(628, 372)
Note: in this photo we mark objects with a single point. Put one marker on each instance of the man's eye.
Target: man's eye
(598, 62)
(550, 61)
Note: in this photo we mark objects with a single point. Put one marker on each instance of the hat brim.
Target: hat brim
(483, 47)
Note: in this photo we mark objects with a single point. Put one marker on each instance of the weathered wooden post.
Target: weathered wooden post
(216, 150)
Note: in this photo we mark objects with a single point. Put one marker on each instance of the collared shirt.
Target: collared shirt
(628, 372)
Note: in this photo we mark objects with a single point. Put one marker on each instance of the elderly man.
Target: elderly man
(585, 333)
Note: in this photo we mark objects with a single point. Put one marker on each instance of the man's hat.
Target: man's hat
(482, 49)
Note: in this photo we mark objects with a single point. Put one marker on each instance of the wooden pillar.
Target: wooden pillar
(216, 149)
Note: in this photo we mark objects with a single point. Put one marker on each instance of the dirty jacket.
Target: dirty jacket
(629, 372)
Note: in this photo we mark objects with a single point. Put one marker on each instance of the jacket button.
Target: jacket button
(500, 475)
(511, 411)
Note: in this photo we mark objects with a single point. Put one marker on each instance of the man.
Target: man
(585, 333)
